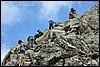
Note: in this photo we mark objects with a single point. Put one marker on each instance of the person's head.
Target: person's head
(50, 21)
(72, 9)
(20, 41)
(38, 31)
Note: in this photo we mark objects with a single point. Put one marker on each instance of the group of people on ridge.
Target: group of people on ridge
(32, 40)
(22, 46)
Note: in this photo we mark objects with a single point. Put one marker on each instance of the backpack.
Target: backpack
(31, 40)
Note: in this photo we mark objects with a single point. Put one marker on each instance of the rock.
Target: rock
(61, 24)
(29, 52)
(81, 52)
(94, 63)
(33, 62)
(93, 24)
(97, 60)
(59, 63)
(95, 48)
(69, 45)
(77, 44)
(13, 56)
(14, 61)
(13, 50)
(66, 28)
(20, 57)
(9, 64)
(95, 55)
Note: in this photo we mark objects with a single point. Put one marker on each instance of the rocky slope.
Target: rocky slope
(69, 49)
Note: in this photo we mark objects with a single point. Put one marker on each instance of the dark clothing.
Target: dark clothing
(53, 36)
(77, 31)
(29, 38)
(38, 35)
(51, 27)
(22, 50)
(52, 24)
(31, 41)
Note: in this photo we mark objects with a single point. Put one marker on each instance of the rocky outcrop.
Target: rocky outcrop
(77, 44)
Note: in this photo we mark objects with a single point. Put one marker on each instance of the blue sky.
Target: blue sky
(20, 19)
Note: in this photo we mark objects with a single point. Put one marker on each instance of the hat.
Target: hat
(72, 9)
(20, 41)
(50, 20)
(38, 31)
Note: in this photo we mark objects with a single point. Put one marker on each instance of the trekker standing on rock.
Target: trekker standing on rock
(21, 48)
(52, 24)
(72, 13)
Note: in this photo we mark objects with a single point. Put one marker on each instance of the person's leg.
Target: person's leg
(49, 27)
(32, 43)
(23, 51)
(52, 26)
(35, 42)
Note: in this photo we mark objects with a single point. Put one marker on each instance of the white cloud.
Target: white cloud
(4, 50)
(9, 13)
(14, 11)
(50, 9)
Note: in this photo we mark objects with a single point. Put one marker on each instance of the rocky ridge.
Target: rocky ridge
(69, 49)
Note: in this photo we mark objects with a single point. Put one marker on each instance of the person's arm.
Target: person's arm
(70, 13)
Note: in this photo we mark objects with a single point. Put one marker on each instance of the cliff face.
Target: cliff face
(73, 47)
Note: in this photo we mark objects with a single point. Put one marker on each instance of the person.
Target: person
(19, 45)
(37, 35)
(54, 36)
(72, 13)
(21, 48)
(30, 41)
(40, 33)
(52, 24)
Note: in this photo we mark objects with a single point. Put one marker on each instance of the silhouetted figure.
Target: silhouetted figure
(72, 13)
(54, 36)
(52, 24)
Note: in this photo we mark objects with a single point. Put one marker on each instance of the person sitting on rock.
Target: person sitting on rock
(52, 24)
(37, 35)
(72, 14)
(40, 33)
(54, 36)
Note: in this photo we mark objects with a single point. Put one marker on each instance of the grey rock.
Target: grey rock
(13, 56)
(94, 63)
(68, 49)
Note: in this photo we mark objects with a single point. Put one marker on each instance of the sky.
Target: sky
(20, 19)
